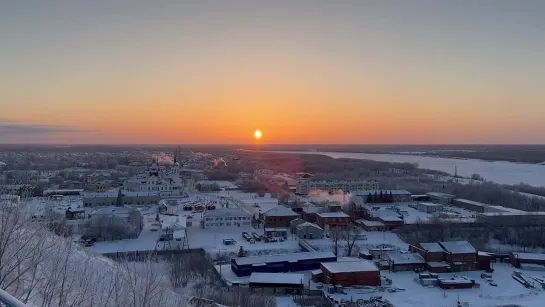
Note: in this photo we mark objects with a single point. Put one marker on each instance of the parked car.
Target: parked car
(246, 236)
(256, 236)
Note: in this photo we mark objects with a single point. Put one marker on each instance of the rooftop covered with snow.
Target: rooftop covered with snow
(458, 247)
(350, 266)
(277, 278)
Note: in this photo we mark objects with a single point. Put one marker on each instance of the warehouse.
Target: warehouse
(461, 255)
(277, 283)
(470, 205)
(429, 251)
(351, 273)
(518, 259)
(280, 263)
(371, 225)
(398, 262)
(429, 207)
(441, 198)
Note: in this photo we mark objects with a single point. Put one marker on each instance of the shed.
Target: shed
(405, 261)
(278, 283)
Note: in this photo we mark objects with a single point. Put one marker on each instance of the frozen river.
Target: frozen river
(497, 171)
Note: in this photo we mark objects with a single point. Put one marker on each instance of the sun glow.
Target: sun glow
(258, 134)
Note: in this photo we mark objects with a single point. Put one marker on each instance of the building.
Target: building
(484, 261)
(510, 216)
(441, 198)
(64, 192)
(309, 231)
(93, 199)
(277, 283)
(455, 283)
(518, 260)
(280, 263)
(437, 267)
(296, 222)
(372, 196)
(460, 255)
(334, 186)
(404, 261)
(351, 273)
(470, 205)
(390, 221)
(165, 181)
(371, 225)
(429, 207)
(231, 217)
(278, 217)
(431, 252)
(332, 220)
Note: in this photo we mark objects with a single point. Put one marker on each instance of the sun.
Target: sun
(258, 134)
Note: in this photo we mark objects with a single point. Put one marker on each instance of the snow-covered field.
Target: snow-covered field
(249, 201)
(497, 171)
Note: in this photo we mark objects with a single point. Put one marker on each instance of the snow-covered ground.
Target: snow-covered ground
(373, 239)
(211, 240)
(508, 291)
(497, 171)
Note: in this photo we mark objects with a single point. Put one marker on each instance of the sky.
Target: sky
(303, 72)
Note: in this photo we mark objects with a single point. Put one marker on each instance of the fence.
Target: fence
(141, 255)
(9, 300)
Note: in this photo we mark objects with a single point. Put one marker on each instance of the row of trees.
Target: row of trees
(381, 197)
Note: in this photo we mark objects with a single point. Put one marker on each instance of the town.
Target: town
(240, 221)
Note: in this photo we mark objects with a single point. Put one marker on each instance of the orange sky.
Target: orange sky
(323, 73)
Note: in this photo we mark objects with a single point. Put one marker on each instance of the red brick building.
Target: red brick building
(518, 259)
(461, 255)
(431, 252)
(332, 220)
(278, 217)
(351, 273)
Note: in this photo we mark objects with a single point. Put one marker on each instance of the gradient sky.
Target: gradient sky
(301, 71)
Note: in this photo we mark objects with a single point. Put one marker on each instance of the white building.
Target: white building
(227, 218)
(165, 181)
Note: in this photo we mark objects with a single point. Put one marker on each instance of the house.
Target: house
(332, 220)
(280, 263)
(309, 211)
(351, 273)
(294, 223)
(278, 217)
(404, 261)
(461, 255)
(429, 207)
(371, 225)
(277, 283)
(309, 231)
(229, 217)
(431, 252)
(455, 283)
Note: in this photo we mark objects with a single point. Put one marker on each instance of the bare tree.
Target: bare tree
(350, 236)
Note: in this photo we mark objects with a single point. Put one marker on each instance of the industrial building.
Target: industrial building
(277, 283)
(461, 255)
(281, 263)
(351, 273)
(371, 225)
(519, 260)
(429, 207)
(397, 262)
(441, 198)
